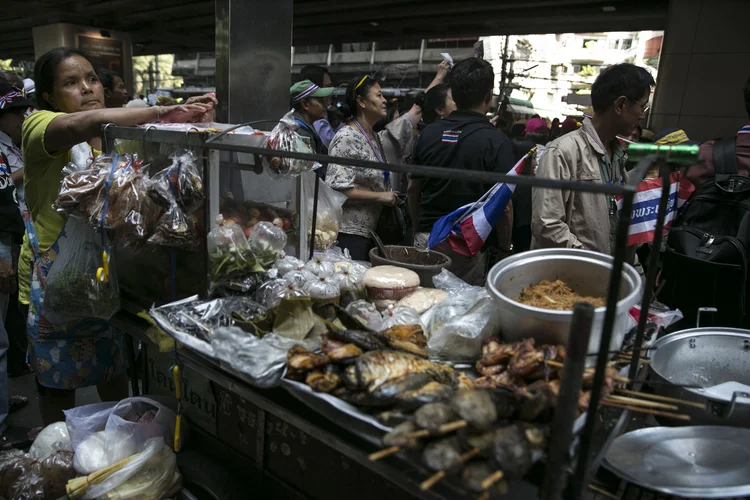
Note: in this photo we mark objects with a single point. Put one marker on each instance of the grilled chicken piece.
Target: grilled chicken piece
(329, 344)
(488, 371)
(511, 451)
(463, 382)
(346, 352)
(399, 436)
(364, 340)
(609, 378)
(432, 416)
(375, 368)
(408, 333)
(300, 361)
(403, 345)
(495, 352)
(476, 407)
(531, 364)
(323, 380)
(431, 392)
(442, 454)
(502, 380)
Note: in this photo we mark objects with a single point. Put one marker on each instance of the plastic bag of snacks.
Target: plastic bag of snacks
(367, 314)
(267, 242)
(287, 263)
(272, 292)
(181, 181)
(229, 253)
(323, 289)
(319, 266)
(400, 315)
(300, 276)
(284, 137)
(176, 229)
(330, 212)
(73, 290)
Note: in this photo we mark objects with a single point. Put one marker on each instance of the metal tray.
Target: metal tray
(688, 462)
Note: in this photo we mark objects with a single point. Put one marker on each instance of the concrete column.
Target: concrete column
(705, 61)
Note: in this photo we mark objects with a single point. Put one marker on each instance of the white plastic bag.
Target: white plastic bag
(150, 475)
(367, 314)
(271, 293)
(319, 266)
(323, 289)
(83, 421)
(329, 215)
(287, 263)
(54, 437)
(400, 315)
(300, 277)
(143, 418)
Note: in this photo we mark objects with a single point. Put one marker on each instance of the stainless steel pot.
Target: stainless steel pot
(584, 271)
(717, 360)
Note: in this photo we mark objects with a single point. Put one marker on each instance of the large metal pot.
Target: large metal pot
(717, 360)
(584, 271)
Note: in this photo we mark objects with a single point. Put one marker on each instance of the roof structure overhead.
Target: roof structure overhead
(182, 26)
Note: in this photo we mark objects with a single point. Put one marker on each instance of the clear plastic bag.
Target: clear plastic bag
(150, 475)
(449, 282)
(82, 421)
(176, 229)
(287, 263)
(460, 323)
(400, 315)
(272, 292)
(423, 299)
(367, 314)
(181, 181)
(284, 137)
(330, 212)
(22, 477)
(319, 266)
(349, 276)
(300, 277)
(52, 438)
(267, 242)
(72, 290)
(323, 289)
(228, 251)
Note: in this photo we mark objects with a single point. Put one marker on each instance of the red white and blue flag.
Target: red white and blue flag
(451, 136)
(468, 227)
(646, 206)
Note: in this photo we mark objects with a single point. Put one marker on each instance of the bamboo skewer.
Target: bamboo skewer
(492, 479)
(662, 398)
(432, 480)
(76, 487)
(603, 492)
(443, 429)
(386, 452)
(641, 402)
(639, 409)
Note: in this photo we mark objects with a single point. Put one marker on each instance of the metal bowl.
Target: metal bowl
(584, 271)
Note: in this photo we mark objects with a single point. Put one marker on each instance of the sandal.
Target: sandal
(14, 437)
(17, 402)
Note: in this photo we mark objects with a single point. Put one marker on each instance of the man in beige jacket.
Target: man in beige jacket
(571, 219)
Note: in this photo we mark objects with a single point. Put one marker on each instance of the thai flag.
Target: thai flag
(451, 136)
(468, 227)
(646, 206)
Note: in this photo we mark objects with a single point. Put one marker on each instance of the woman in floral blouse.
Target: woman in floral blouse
(368, 190)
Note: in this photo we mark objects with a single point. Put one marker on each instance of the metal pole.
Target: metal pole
(566, 411)
(504, 73)
(653, 262)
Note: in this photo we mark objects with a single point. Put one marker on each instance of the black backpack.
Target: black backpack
(706, 260)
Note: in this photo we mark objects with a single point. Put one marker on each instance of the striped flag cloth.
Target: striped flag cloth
(468, 227)
(646, 206)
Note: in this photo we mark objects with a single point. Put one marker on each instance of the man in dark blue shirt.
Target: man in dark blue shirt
(464, 140)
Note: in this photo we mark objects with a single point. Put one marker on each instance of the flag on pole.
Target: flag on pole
(468, 227)
(646, 206)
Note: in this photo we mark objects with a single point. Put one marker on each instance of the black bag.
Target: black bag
(706, 261)
(392, 225)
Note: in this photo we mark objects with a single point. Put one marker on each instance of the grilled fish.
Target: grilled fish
(408, 333)
(345, 353)
(364, 340)
(375, 368)
(300, 361)
(431, 392)
(388, 393)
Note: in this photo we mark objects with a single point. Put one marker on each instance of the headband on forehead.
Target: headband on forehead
(361, 81)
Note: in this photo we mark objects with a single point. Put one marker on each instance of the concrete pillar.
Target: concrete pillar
(705, 61)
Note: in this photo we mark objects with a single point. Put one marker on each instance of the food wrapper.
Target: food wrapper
(349, 276)
(176, 229)
(330, 212)
(267, 243)
(367, 314)
(287, 263)
(323, 289)
(240, 285)
(319, 266)
(229, 253)
(400, 315)
(300, 277)
(181, 182)
(284, 137)
(272, 292)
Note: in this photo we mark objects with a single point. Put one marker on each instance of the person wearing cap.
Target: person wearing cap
(13, 105)
(310, 103)
(592, 154)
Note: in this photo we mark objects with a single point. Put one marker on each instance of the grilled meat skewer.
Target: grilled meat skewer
(511, 451)
(431, 416)
(476, 407)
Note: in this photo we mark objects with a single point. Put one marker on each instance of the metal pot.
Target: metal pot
(584, 271)
(717, 360)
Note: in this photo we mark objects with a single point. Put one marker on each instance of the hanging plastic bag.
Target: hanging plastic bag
(228, 251)
(267, 242)
(272, 292)
(52, 438)
(180, 181)
(400, 315)
(367, 314)
(284, 137)
(150, 475)
(176, 229)
(73, 290)
(323, 289)
(330, 212)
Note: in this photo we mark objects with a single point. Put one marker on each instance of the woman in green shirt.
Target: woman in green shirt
(67, 128)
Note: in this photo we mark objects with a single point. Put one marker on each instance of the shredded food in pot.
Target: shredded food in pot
(555, 295)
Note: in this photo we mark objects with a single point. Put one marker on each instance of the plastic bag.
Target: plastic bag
(57, 470)
(181, 182)
(240, 285)
(149, 476)
(52, 438)
(270, 293)
(330, 212)
(102, 449)
(423, 299)
(300, 277)
(319, 266)
(262, 360)
(284, 137)
(72, 290)
(460, 323)
(176, 229)
(22, 477)
(349, 276)
(400, 315)
(228, 252)
(323, 289)
(367, 314)
(287, 263)
(449, 282)
(82, 421)
(267, 242)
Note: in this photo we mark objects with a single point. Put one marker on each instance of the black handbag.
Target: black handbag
(392, 224)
